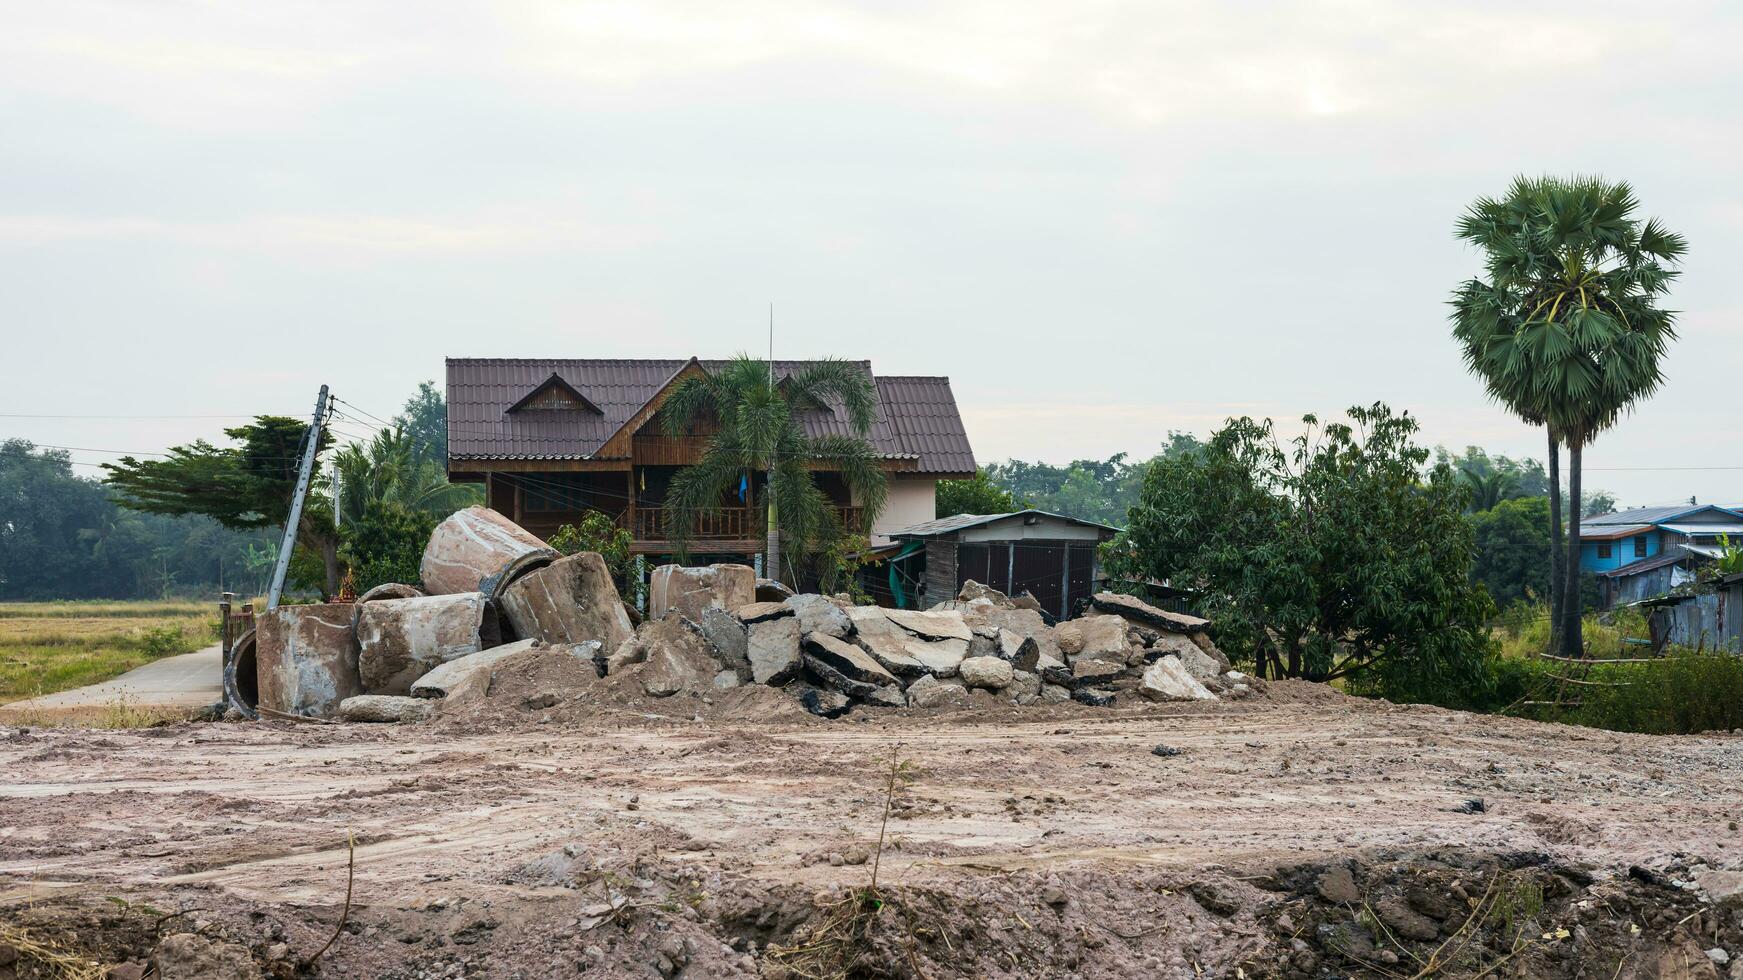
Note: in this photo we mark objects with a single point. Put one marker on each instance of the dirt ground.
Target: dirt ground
(1300, 833)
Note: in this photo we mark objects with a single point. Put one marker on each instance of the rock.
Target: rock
(385, 708)
(1054, 694)
(1202, 641)
(931, 692)
(773, 650)
(1719, 956)
(306, 659)
(1722, 887)
(1204, 668)
(729, 638)
(1165, 751)
(186, 956)
(824, 704)
(847, 660)
(820, 614)
(1138, 611)
(930, 625)
(726, 680)
(888, 696)
(1024, 688)
(1088, 670)
(570, 600)
(445, 678)
(401, 640)
(1404, 920)
(986, 672)
(891, 652)
(1023, 622)
(690, 589)
(1168, 680)
(1093, 697)
(981, 645)
(769, 590)
(756, 612)
(1094, 638)
(972, 590)
(1022, 651)
(1338, 885)
(679, 658)
(630, 651)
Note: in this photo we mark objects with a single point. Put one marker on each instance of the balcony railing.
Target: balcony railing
(724, 523)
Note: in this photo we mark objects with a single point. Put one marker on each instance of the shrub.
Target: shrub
(1685, 693)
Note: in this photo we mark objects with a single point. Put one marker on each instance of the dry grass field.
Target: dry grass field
(53, 646)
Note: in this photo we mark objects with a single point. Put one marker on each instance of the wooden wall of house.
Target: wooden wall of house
(941, 574)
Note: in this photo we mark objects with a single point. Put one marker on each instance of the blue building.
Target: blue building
(1648, 551)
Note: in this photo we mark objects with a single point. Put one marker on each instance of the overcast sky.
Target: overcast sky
(1102, 220)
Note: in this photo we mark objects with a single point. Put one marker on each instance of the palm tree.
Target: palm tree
(1488, 486)
(391, 468)
(1566, 330)
(758, 428)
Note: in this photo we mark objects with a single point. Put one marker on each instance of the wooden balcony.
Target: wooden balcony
(737, 524)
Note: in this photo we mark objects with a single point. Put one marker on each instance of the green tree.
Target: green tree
(242, 487)
(385, 543)
(597, 532)
(975, 495)
(757, 426)
(1331, 557)
(393, 468)
(424, 420)
(1513, 546)
(1565, 327)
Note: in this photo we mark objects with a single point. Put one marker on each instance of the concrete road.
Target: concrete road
(191, 680)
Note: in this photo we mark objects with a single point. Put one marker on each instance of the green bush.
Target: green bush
(1689, 692)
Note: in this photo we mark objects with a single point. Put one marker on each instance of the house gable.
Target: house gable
(554, 394)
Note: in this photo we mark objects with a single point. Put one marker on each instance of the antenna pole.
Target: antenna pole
(772, 560)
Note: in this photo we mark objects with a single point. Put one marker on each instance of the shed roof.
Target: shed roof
(916, 419)
(1670, 556)
(950, 525)
(1650, 515)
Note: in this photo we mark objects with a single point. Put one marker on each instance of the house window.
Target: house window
(1640, 546)
(1604, 550)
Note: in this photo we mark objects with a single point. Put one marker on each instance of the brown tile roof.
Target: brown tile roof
(917, 416)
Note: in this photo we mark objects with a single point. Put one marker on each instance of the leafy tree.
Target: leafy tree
(598, 532)
(425, 423)
(1513, 546)
(1597, 502)
(241, 487)
(757, 429)
(1087, 489)
(1566, 329)
(385, 543)
(976, 495)
(1333, 557)
(393, 468)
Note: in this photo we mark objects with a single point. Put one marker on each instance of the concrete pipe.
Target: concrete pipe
(241, 678)
(306, 659)
(479, 550)
(571, 600)
(400, 640)
(387, 590)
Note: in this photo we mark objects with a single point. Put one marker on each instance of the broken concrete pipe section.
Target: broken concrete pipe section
(400, 640)
(571, 600)
(306, 659)
(479, 550)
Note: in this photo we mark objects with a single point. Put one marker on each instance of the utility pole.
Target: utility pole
(310, 445)
(773, 544)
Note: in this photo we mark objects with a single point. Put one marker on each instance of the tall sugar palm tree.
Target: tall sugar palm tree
(1566, 330)
(758, 428)
(391, 468)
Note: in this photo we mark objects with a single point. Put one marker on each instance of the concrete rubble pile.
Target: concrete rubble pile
(491, 591)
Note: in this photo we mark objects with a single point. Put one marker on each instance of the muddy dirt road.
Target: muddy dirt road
(1019, 842)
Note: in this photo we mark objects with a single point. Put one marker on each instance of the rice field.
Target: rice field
(53, 646)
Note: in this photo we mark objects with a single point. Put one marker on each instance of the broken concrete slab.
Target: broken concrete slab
(972, 590)
(570, 600)
(445, 678)
(690, 589)
(772, 649)
(1092, 697)
(1054, 693)
(848, 660)
(769, 590)
(990, 673)
(933, 692)
(1203, 642)
(891, 652)
(1198, 663)
(628, 653)
(1024, 688)
(385, 708)
(824, 704)
(931, 625)
(479, 550)
(756, 612)
(401, 640)
(729, 639)
(821, 615)
(1138, 611)
(1089, 670)
(1096, 637)
(1023, 622)
(1022, 651)
(679, 657)
(1168, 680)
(306, 659)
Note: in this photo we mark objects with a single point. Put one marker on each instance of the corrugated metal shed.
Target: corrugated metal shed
(917, 416)
(949, 525)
